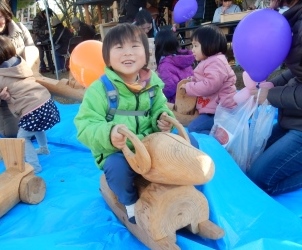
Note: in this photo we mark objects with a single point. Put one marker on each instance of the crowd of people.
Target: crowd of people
(125, 52)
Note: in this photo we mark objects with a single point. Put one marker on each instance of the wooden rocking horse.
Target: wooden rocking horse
(169, 166)
(18, 182)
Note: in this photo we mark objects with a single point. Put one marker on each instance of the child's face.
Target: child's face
(199, 56)
(2, 22)
(146, 27)
(128, 59)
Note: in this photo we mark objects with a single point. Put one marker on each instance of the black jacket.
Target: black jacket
(64, 39)
(40, 27)
(86, 31)
(287, 93)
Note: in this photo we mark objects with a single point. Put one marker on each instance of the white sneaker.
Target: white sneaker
(42, 151)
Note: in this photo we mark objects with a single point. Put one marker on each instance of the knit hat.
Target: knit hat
(55, 21)
(75, 20)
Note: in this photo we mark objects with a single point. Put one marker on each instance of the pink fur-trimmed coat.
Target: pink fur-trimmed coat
(213, 83)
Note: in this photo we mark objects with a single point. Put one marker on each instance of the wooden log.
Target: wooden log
(9, 187)
(87, 14)
(32, 189)
(61, 88)
(166, 243)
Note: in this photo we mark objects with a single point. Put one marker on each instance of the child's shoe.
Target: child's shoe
(42, 151)
(132, 220)
(130, 213)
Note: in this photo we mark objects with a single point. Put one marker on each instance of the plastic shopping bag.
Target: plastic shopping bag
(231, 129)
(260, 130)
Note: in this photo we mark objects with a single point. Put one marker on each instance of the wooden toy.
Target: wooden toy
(18, 182)
(64, 88)
(168, 201)
(184, 107)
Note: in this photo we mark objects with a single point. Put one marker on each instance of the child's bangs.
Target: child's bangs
(127, 34)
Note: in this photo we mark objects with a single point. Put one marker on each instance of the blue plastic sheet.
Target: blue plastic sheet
(74, 215)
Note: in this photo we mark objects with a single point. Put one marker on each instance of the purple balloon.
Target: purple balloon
(261, 42)
(184, 10)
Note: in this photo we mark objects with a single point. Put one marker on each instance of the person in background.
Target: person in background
(198, 18)
(82, 29)
(144, 20)
(279, 169)
(132, 8)
(21, 38)
(28, 100)
(41, 32)
(126, 54)
(173, 63)
(227, 7)
(260, 4)
(61, 39)
(213, 82)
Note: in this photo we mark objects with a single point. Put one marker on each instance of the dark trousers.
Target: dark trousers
(45, 49)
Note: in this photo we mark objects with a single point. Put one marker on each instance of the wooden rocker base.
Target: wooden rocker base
(163, 209)
(18, 182)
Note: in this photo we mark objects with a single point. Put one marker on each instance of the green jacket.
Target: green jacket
(94, 131)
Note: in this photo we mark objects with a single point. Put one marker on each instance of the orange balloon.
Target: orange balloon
(86, 62)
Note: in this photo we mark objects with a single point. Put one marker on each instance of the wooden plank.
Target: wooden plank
(12, 151)
(234, 16)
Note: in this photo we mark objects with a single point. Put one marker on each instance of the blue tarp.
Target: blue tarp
(74, 215)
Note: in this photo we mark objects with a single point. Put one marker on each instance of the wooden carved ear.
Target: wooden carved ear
(181, 131)
(140, 161)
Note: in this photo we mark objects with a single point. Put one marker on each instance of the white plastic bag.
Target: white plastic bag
(260, 130)
(231, 129)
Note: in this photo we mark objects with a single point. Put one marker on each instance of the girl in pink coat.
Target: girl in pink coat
(214, 80)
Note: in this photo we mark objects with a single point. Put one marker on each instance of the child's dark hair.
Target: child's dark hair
(142, 17)
(166, 43)
(7, 49)
(119, 35)
(211, 39)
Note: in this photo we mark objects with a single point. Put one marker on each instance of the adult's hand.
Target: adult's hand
(263, 92)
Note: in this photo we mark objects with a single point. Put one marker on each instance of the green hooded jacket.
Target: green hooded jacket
(94, 131)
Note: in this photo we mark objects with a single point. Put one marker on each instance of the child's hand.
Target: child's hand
(118, 140)
(4, 94)
(191, 78)
(163, 125)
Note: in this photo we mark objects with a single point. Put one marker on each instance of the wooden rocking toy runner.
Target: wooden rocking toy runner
(169, 167)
